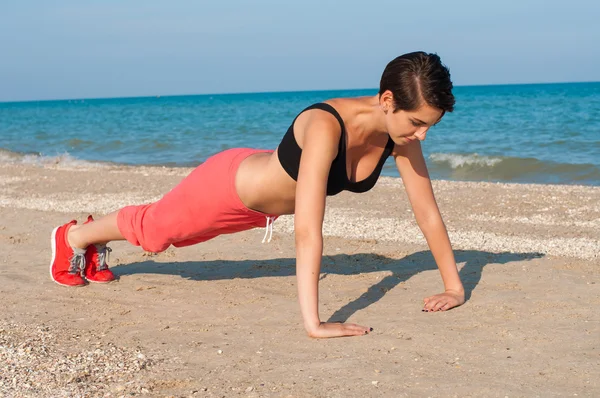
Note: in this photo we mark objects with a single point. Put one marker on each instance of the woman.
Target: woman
(337, 145)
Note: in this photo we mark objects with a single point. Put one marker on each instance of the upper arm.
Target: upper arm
(413, 170)
(321, 137)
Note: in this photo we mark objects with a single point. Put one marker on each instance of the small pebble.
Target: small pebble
(30, 348)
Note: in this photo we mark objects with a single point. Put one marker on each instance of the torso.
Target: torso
(264, 185)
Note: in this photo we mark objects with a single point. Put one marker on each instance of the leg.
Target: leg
(80, 254)
(100, 232)
(201, 207)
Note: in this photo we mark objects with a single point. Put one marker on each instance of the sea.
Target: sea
(530, 133)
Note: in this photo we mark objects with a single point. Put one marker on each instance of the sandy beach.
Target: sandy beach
(220, 319)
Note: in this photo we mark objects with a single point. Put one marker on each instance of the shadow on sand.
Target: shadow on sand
(341, 264)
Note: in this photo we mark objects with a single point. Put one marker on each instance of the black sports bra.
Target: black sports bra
(289, 156)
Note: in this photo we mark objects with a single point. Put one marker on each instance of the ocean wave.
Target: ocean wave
(475, 167)
(446, 166)
(33, 158)
(458, 160)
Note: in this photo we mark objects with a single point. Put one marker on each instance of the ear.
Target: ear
(386, 100)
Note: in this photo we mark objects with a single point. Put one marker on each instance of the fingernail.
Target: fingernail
(370, 329)
(366, 331)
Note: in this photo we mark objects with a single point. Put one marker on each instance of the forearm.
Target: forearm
(439, 243)
(308, 268)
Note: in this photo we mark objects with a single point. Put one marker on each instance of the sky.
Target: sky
(65, 49)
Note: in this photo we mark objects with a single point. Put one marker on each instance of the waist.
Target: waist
(264, 186)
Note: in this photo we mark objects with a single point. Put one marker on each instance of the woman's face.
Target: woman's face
(407, 126)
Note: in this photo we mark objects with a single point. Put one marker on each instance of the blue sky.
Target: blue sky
(87, 49)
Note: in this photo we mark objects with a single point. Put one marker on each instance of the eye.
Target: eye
(416, 124)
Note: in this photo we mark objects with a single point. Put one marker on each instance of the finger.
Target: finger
(450, 304)
(426, 299)
(363, 329)
(358, 328)
(431, 304)
(353, 332)
(440, 304)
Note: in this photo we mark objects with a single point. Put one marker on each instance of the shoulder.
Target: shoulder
(319, 125)
(322, 118)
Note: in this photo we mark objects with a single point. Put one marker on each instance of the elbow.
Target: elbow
(308, 236)
(428, 220)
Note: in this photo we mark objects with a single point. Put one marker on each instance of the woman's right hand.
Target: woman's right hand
(337, 329)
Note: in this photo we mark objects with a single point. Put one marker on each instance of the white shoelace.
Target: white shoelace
(269, 229)
(103, 257)
(77, 263)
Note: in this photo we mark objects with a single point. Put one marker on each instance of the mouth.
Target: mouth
(404, 141)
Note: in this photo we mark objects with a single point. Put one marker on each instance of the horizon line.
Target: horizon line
(274, 92)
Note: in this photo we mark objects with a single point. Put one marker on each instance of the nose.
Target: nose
(421, 133)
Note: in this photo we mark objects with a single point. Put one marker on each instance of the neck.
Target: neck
(369, 120)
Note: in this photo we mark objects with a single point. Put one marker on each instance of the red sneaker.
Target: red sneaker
(67, 265)
(96, 258)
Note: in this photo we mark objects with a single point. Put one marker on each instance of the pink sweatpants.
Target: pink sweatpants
(202, 206)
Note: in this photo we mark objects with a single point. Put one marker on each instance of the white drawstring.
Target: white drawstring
(269, 229)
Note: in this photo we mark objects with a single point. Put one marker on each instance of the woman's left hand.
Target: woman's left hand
(444, 301)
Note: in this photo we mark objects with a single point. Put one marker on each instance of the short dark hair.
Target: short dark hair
(417, 78)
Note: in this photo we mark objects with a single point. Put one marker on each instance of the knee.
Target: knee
(140, 227)
(155, 245)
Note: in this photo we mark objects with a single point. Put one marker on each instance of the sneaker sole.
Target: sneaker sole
(91, 281)
(53, 244)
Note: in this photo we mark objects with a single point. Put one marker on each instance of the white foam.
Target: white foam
(63, 160)
(458, 160)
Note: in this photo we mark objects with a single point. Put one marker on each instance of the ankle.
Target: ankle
(74, 239)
